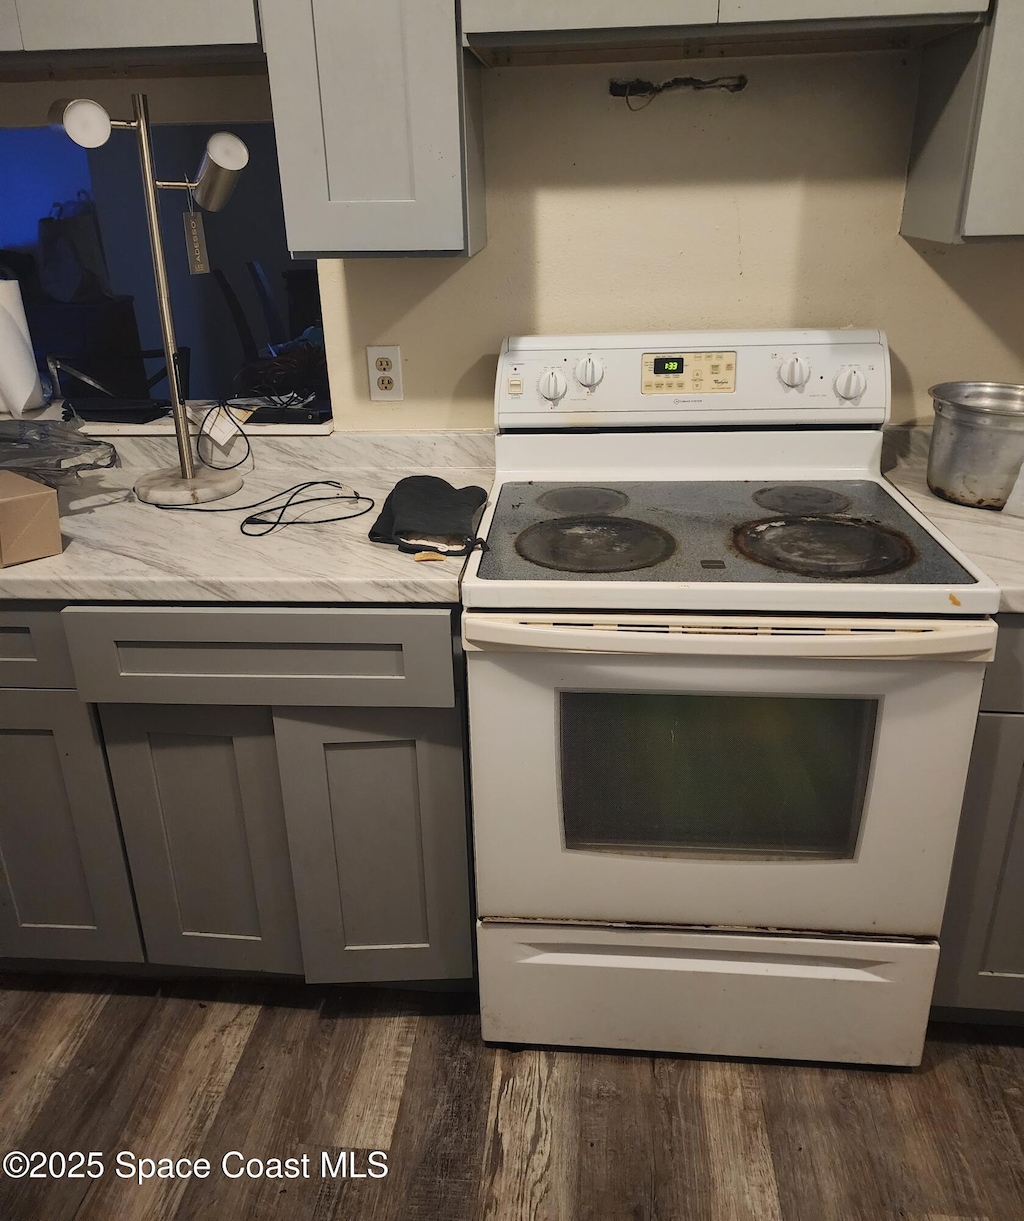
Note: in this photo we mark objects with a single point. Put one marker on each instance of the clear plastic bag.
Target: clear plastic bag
(51, 450)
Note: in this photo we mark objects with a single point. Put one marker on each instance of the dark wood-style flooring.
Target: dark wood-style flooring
(197, 1070)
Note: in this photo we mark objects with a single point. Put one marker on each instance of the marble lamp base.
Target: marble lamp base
(166, 487)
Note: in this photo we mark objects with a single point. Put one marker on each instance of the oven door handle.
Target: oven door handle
(734, 636)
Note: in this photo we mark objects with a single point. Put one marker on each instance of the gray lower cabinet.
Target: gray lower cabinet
(375, 807)
(64, 889)
(288, 784)
(199, 797)
(981, 965)
(982, 960)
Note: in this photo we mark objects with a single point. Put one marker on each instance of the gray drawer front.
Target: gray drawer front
(1004, 682)
(33, 652)
(334, 658)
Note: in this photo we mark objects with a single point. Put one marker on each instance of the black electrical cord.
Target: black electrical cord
(265, 516)
(216, 410)
(269, 517)
(649, 90)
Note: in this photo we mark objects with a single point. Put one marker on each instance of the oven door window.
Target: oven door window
(717, 775)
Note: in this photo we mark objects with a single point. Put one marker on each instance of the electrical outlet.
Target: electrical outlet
(384, 368)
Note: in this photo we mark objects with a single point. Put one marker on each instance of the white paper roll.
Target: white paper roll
(20, 390)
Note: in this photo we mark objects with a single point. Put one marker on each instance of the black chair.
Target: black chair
(250, 350)
(276, 330)
(98, 338)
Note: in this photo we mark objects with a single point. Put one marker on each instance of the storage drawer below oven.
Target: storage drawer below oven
(721, 994)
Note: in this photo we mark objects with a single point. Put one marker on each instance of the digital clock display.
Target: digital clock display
(668, 366)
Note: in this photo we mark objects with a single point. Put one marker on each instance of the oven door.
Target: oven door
(801, 774)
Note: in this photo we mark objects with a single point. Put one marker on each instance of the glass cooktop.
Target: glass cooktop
(843, 531)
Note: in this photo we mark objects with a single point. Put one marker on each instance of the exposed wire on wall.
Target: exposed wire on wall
(647, 91)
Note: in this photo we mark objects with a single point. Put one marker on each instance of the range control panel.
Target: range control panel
(688, 372)
(696, 378)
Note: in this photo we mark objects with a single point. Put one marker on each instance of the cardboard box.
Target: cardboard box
(29, 520)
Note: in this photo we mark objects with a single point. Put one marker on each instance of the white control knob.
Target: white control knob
(552, 385)
(795, 371)
(589, 372)
(850, 383)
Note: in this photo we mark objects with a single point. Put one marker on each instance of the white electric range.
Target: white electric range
(723, 681)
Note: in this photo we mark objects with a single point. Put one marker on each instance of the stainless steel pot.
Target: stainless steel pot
(977, 447)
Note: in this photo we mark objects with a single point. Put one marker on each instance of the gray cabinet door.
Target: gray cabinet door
(200, 804)
(65, 25)
(966, 173)
(375, 125)
(995, 196)
(10, 30)
(1004, 679)
(64, 890)
(982, 959)
(375, 806)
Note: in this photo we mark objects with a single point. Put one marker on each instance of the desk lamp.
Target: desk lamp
(89, 125)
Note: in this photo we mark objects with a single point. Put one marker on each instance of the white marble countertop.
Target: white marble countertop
(117, 549)
(994, 541)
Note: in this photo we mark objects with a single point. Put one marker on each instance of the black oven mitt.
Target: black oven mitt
(423, 513)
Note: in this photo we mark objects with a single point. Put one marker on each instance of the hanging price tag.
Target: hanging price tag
(216, 423)
(195, 241)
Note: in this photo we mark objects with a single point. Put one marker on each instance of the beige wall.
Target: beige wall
(776, 207)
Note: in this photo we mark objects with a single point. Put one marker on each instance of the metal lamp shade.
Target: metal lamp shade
(224, 159)
(84, 120)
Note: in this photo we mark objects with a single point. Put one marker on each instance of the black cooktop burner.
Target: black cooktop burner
(801, 499)
(701, 532)
(824, 546)
(583, 499)
(595, 544)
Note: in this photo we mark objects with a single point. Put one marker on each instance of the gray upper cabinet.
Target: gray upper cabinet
(377, 121)
(818, 10)
(200, 803)
(966, 174)
(10, 30)
(69, 25)
(64, 890)
(482, 16)
(376, 814)
(534, 16)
